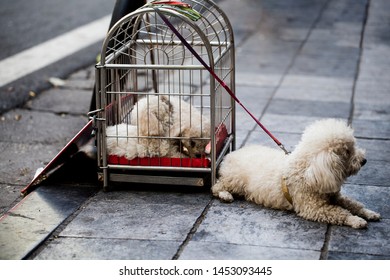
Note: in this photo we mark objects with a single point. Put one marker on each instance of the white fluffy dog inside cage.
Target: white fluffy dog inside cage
(307, 181)
(123, 140)
(185, 126)
(160, 126)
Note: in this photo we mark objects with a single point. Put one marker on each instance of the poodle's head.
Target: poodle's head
(328, 154)
(192, 127)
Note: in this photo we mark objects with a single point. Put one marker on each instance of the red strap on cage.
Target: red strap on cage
(220, 81)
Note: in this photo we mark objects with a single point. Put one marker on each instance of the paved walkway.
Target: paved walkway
(297, 61)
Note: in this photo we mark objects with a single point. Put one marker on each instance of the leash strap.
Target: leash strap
(220, 81)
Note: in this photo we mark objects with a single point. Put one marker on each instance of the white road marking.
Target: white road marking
(42, 55)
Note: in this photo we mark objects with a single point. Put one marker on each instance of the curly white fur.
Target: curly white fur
(153, 115)
(160, 126)
(314, 173)
(123, 140)
(174, 118)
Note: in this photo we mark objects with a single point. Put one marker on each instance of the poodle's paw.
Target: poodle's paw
(356, 222)
(370, 215)
(225, 196)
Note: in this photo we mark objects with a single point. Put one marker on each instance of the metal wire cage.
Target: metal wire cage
(157, 103)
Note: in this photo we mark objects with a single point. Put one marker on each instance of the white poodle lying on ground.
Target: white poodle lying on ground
(307, 181)
(160, 126)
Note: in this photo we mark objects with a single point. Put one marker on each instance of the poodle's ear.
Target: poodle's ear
(325, 173)
(166, 100)
(149, 125)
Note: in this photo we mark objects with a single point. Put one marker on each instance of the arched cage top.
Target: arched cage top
(142, 38)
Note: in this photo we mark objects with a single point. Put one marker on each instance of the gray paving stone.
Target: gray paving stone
(336, 12)
(108, 249)
(39, 127)
(70, 101)
(81, 84)
(8, 195)
(258, 136)
(373, 197)
(21, 160)
(255, 100)
(373, 89)
(370, 111)
(322, 51)
(292, 33)
(290, 12)
(342, 34)
(222, 251)
(288, 24)
(334, 255)
(138, 195)
(83, 74)
(378, 11)
(377, 33)
(82, 79)
(334, 66)
(145, 216)
(244, 223)
(255, 103)
(373, 173)
(377, 100)
(314, 82)
(244, 122)
(309, 108)
(374, 84)
(379, 129)
(241, 136)
(372, 241)
(266, 61)
(258, 79)
(245, 19)
(374, 56)
(35, 217)
(287, 123)
(254, 97)
(375, 149)
(313, 94)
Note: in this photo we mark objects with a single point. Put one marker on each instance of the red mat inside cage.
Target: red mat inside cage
(161, 161)
(204, 162)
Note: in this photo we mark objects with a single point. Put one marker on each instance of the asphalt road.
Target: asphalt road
(26, 24)
(29, 23)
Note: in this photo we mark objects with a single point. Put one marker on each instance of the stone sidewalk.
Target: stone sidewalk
(297, 61)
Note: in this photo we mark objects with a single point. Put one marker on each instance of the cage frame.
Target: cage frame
(171, 175)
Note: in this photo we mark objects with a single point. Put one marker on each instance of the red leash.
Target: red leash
(220, 81)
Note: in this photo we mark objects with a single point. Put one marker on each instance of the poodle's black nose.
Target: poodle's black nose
(364, 161)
